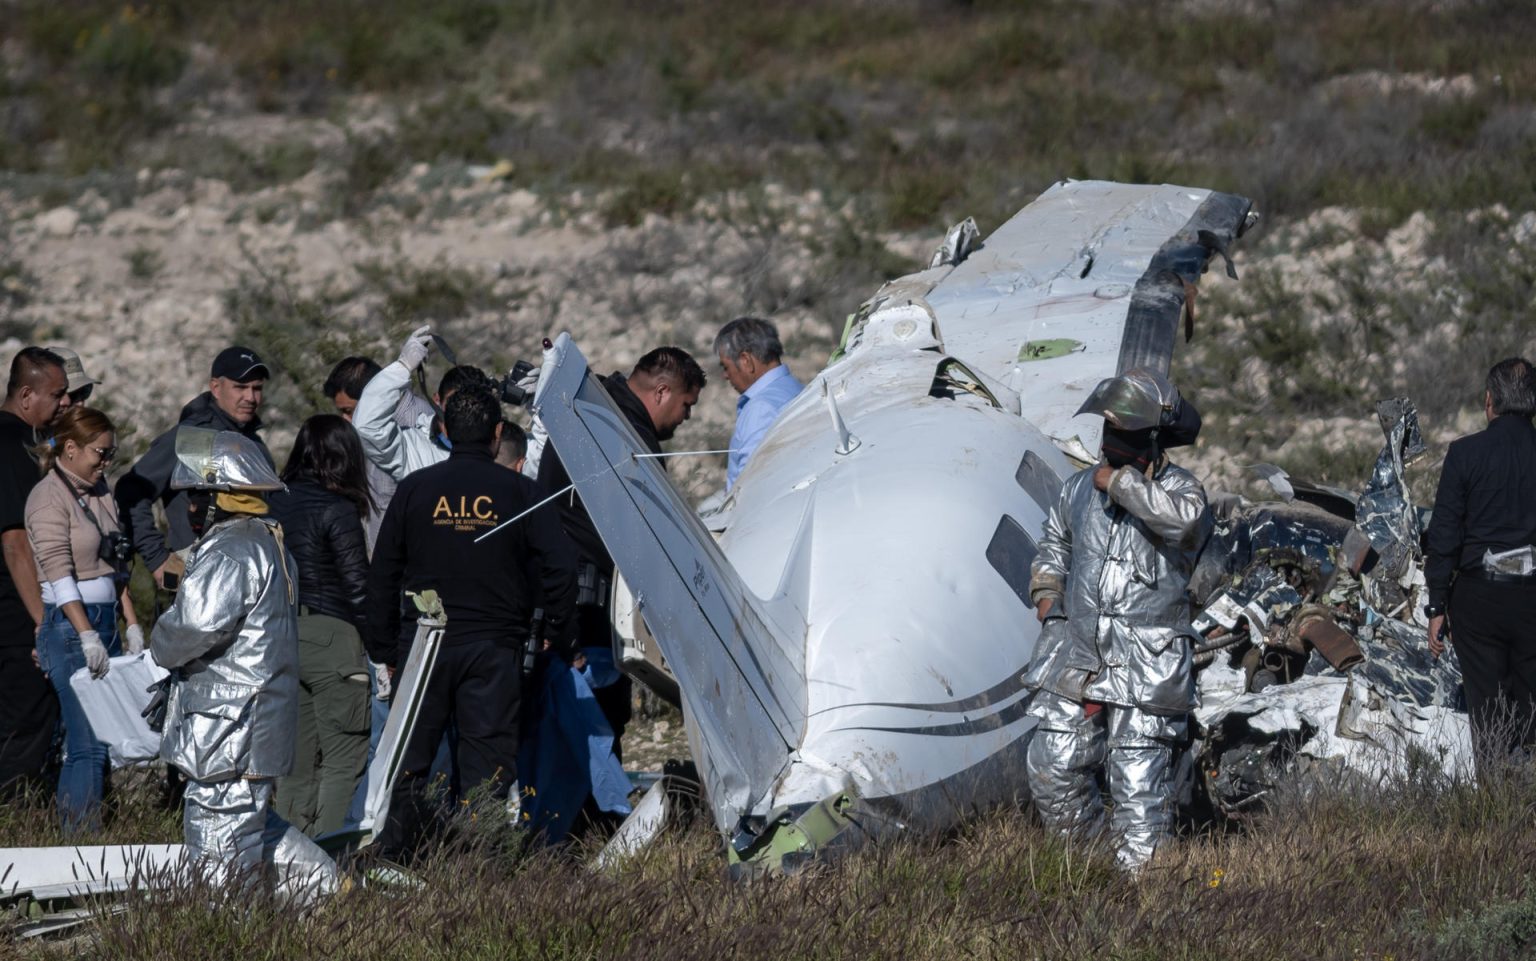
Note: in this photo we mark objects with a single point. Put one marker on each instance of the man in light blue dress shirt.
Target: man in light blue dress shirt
(751, 356)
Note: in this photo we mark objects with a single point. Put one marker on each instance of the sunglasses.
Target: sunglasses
(105, 453)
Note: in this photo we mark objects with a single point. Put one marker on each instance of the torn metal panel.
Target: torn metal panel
(1100, 265)
(1385, 511)
(642, 827)
(958, 244)
(740, 669)
(1378, 722)
(1315, 643)
(410, 689)
(57, 888)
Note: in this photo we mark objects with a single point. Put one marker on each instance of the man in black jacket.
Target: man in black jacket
(234, 394)
(36, 393)
(657, 398)
(429, 540)
(1480, 567)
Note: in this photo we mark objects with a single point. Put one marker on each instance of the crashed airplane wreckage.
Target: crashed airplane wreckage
(849, 652)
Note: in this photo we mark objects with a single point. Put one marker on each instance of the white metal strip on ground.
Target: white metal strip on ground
(68, 871)
(410, 689)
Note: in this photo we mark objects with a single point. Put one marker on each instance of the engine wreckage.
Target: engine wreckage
(1313, 647)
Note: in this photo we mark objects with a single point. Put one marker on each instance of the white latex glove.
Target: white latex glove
(134, 637)
(414, 351)
(530, 380)
(96, 657)
(384, 687)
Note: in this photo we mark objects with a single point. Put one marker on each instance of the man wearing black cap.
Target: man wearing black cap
(233, 397)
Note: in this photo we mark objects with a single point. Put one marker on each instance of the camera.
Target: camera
(115, 549)
(507, 387)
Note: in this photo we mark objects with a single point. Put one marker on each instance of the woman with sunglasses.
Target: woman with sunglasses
(82, 560)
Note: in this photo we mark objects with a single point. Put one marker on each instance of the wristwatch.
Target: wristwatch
(1434, 610)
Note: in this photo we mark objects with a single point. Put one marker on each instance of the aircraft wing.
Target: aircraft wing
(1089, 280)
(739, 660)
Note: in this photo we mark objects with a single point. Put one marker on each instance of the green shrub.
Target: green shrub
(1505, 930)
(435, 293)
(298, 336)
(458, 125)
(144, 263)
(645, 190)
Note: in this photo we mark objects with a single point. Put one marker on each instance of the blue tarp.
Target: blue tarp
(567, 754)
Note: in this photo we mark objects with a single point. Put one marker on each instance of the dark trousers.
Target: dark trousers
(1493, 628)
(29, 716)
(333, 726)
(477, 686)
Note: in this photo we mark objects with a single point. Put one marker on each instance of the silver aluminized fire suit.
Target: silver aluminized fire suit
(1115, 565)
(232, 723)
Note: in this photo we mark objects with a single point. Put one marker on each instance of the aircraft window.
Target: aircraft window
(1039, 480)
(1011, 552)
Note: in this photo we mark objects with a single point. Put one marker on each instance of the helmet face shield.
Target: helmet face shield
(221, 460)
(1135, 400)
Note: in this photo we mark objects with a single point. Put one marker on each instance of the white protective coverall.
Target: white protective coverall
(1116, 565)
(232, 720)
(397, 450)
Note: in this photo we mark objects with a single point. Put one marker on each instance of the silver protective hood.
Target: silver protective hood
(221, 460)
(1134, 400)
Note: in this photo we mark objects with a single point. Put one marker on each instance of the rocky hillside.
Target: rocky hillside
(315, 181)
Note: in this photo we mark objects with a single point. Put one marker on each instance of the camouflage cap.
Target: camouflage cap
(74, 370)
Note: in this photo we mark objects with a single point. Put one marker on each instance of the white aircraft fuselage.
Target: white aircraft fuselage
(849, 655)
(915, 641)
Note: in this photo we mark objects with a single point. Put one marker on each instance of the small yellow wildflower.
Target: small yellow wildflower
(1216, 876)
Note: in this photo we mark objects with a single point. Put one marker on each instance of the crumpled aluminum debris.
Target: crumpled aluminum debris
(1399, 710)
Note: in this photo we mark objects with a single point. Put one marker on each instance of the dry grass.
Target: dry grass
(1415, 869)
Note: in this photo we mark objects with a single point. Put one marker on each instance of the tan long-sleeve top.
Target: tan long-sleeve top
(64, 541)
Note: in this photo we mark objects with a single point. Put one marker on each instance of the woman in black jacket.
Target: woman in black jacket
(321, 513)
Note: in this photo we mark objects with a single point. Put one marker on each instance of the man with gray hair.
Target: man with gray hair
(751, 356)
(1481, 563)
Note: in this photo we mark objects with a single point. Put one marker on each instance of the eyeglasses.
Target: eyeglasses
(105, 453)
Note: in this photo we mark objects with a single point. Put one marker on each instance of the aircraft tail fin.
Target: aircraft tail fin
(739, 660)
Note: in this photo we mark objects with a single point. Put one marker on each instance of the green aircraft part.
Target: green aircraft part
(785, 842)
(1047, 349)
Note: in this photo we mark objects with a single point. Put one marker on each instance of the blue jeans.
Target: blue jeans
(86, 760)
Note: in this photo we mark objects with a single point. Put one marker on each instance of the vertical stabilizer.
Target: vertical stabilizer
(739, 660)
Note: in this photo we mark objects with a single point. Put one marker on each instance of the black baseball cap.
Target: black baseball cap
(239, 364)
